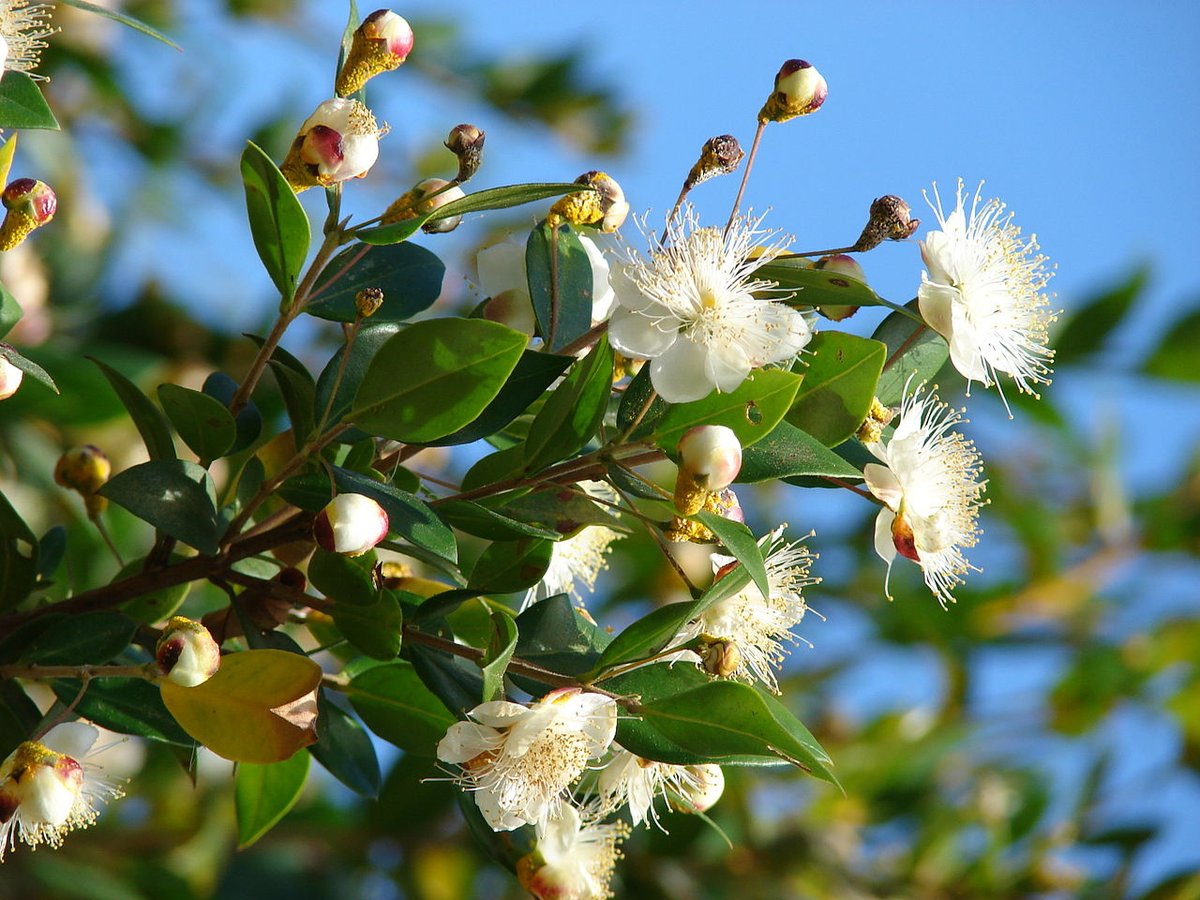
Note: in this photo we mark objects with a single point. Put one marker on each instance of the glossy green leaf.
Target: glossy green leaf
(366, 345)
(278, 222)
(18, 716)
(840, 375)
(491, 198)
(481, 521)
(1175, 356)
(409, 276)
(914, 352)
(264, 794)
(28, 366)
(127, 20)
(495, 467)
(297, 387)
(204, 424)
(22, 105)
(396, 705)
(347, 581)
(554, 634)
(1092, 322)
(633, 401)
(434, 377)
(817, 287)
(92, 638)
(740, 542)
(560, 284)
(175, 496)
(563, 510)
(249, 420)
(497, 654)
(786, 452)
(344, 748)
(51, 550)
(508, 566)
(752, 411)
(10, 311)
(125, 705)
(570, 416)
(374, 629)
(150, 422)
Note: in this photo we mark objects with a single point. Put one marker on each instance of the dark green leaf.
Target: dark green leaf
(374, 629)
(202, 421)
(495, 467)
(366, 345)
(434, 377)
(346, 580)
(752, 411)
(497, 654)
(508, 566)
(18, 717)
(51, 549)
(571, 415)
(264, 794)
(740, 542)
(127, 20)
(396, 705)
(12, 525)
(344, 748)
(563, 510)
(787, 451)
(150, 422)
(1175, 356)
(554, 634)
(26, 365)
(840, 375)
(480, 521)
(914, 351)
(125, 705)
(277, 220)
(409, 276)
(86, 639)
(560, 284)
(10, 311)
(174, 496)
(297, 387)
(1091, 323)
(817, 287)
(153, 606)
(633, 401)
(22, 104)
(249, 420)
(452, 679)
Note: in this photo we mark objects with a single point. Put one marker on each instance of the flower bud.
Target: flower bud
(604, 206)
(350, 524)
(719, 656)
(799, 90)
(700, 792)
(30, 204)
(186, 653)
(425, 197)
(381, 43)
(466, 142)
(339, 141)
(367, 301)
(10, 378)
(720, 155)
(83, 469)
(878, 416)
(710, 457)
(840, 264)
(890, 220)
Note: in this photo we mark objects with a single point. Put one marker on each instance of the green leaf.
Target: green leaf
(434, 377)
(494, 467)
(563, 510)
(817, 287)
(85, 639)
(409, 276)
(51, 550)
(509, 566)
(277, 220)
(297, 386)
(175, 496)
(26, 365)
(786, 452)
(12, 525)
(374, 629)
(554, 634)
(130, 21)
(752, 411)
(573, 412)
(1175, 356)
(345, 580)
(249, 420)
(150, 422)
(366, 345)
(634, 400)
(344, 748)
(914, 351)
(560, 284)
(840, 375)
(396, 705)
(125, 705)
(534, 373)
(740, 542)
(264, 794)
(491, 198)
(1090, 324)
(480, 521)
(10, 311)
(22, 104)
(204, 424)
(18, 717)
(153, 606)
(496, 656)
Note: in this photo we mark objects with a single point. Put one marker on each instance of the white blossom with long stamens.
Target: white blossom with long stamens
(629, 780)
(574, 856)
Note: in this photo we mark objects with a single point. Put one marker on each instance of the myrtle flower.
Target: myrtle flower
(984, 293)
(745, 635)
(573, 857)
(520, 760)
(628, 779)
(690, 308)
(24, 28)
(47, 789)
(339, 141)
(930, 486)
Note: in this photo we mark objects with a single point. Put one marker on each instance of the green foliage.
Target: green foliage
(263, 794)
(277, 220)
(840, 377)
(22, 104)
(560, 284)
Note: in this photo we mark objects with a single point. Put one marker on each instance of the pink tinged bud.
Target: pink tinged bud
(701, 792)
(339, 141)
(10, 378)
(712, 455)
(799, 90)
(186, 653)
(35, 197)
(397, 35)
(438, 192)
(350, 524)
(842, 264)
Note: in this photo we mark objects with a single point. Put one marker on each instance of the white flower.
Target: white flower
(573, 858)
(10, 378)
(748, 630)
(630, 779)
(576, 562)
(23, 32)
(350, 524)
(47, 789)
(983, 292)
(520, 760)
(186, 653)
(690, 309)
(504, 278)
(931, 490)
(339, 141)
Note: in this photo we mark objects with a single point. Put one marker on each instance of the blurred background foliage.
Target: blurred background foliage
(1041, 738)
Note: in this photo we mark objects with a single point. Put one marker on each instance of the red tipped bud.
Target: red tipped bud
(799, 90)
(30, 204)
(381, 43)
(840, 265)
(710, 457)
(83, 469)
(10, 378)
(350, 524)
(339, 141)
(186, 653)
(904, 539)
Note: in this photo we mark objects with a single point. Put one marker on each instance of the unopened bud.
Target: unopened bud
(30, 204)
(878, 416)
(719, 656)
(41, 787)
(604, 206)
(367, 301)
(339, 141)
(10, 378)
(890, 220)
(350, 524)
(466, 142)
(720, 155)
(381, 43)
(186, 653)
(83, 469)
(700, 790)
(839, 264)
(710, 457)
(799, 90)
(425, 197)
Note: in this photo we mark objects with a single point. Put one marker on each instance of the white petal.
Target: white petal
(499, 818)
(637, 336)
(727, 366)
(964, 353)
(883, 483)
(361, 152)
(885, 546)
(502, 269)
(603, 296)
(681, 374)
(936, 302)
(465, 741)
(499, 713)
(74, 739)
